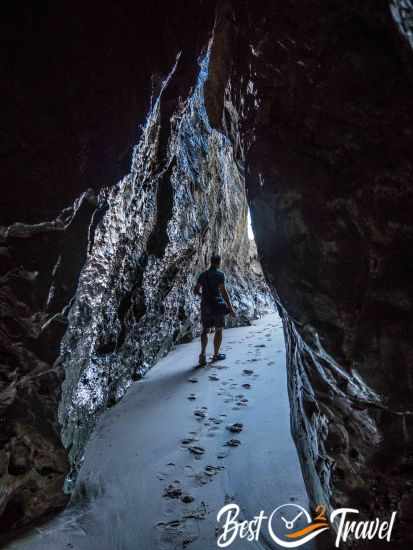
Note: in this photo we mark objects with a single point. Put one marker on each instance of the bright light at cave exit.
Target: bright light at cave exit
(250, 231)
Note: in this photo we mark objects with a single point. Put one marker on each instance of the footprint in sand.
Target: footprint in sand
(235, 428)
(192, 380)
(196, 450)
(199, 414)
(188, 440)
(192, 397)
(233, 443)
(212, 470)
(248, 372)
(168, 524)
(246, 386)
(173, 490)
(213, 377)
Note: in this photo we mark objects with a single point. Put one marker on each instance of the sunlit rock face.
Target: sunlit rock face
(183, 200)
(325, 110)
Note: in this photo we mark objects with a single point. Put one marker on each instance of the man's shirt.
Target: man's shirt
(210, 282)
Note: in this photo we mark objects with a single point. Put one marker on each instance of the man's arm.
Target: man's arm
(198, 286)
(225, 295)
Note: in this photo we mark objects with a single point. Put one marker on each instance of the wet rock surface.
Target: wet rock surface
(183, 200)
(95, 297)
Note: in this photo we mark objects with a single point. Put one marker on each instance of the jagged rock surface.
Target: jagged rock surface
(142, 242)
(40, 268)
(325, 111)
(183, 200)
(316, 98)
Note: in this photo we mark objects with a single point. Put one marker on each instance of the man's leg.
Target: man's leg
(217, 341)
(204, 343)
(204, 340)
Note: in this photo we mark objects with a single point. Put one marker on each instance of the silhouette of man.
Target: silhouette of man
(215, 304)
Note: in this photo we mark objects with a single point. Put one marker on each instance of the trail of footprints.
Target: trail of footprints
(183, 531)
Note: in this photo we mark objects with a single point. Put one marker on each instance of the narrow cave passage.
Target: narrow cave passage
(158, 467)
(162, 462)
(132, 137)
(157, 446)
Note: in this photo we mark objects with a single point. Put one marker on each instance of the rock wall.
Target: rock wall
(183, 200)
(324, 101)
(311, 104)
(39, 271)
(93, 298)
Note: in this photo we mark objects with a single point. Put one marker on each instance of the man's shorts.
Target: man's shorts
(210, 319)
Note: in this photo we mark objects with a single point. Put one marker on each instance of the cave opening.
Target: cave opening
(250, 230)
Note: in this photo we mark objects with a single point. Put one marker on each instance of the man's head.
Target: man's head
(215, 260)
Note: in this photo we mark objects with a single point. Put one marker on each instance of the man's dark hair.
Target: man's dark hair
(215, 260)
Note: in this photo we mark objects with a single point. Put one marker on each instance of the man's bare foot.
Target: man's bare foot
(202, 360)
(218, 357)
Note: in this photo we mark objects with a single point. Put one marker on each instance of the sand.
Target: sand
(183, 442)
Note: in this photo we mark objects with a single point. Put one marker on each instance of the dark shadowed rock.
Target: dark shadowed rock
(106, 284)
(324, 97)
(310, 106)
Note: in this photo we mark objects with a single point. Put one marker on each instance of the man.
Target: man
(214, 296)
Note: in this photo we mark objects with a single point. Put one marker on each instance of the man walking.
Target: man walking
(215, 304)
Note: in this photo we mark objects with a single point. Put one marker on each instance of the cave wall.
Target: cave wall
(183, 200)
(77, 83)
(323, 93)
(94, 296)
(314, 101)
